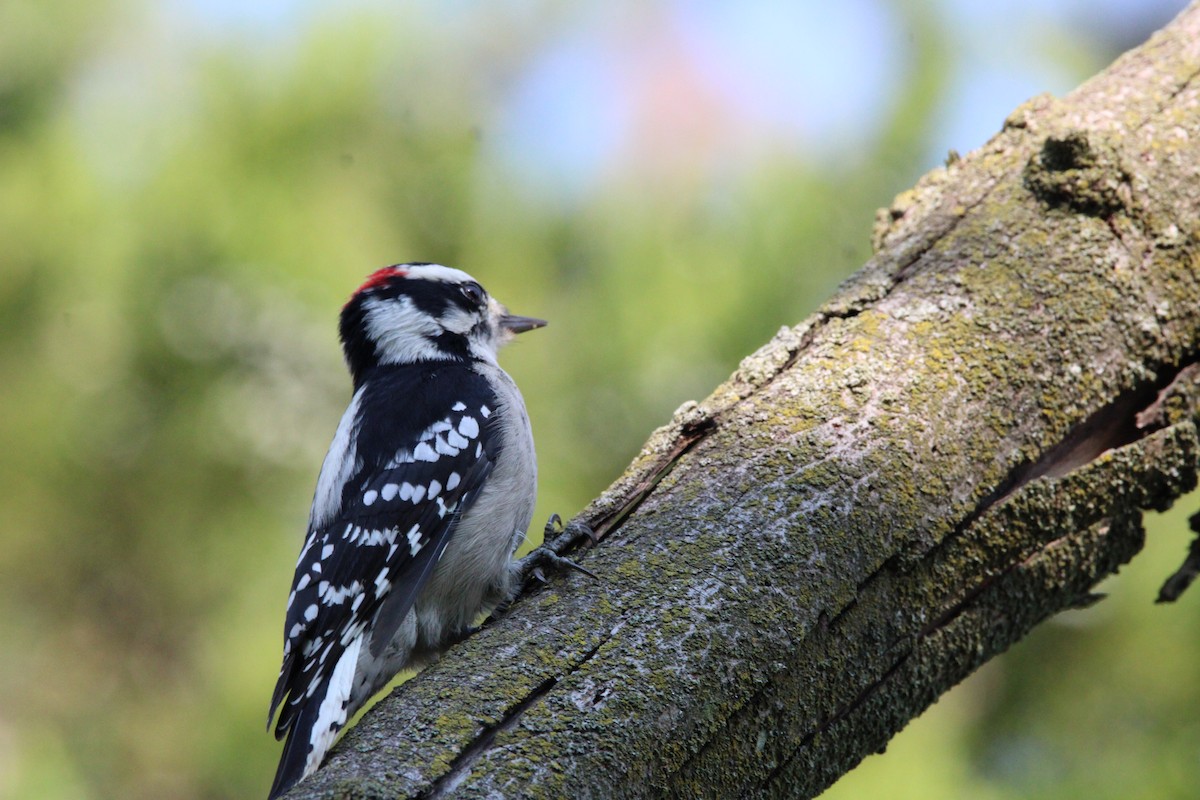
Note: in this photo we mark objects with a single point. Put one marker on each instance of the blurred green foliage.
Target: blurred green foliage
(180, 219)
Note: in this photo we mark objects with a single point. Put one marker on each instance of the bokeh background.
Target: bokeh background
(189, 190)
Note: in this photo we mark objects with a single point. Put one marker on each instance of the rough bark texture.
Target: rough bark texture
(955, 447)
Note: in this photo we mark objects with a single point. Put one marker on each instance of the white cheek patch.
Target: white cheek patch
(401, 333)
(460, 321)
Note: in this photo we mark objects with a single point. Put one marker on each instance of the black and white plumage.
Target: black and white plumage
(427, 489)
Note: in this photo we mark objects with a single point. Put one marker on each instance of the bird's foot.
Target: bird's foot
(556, 540)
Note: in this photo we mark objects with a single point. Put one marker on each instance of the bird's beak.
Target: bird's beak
(515, 324)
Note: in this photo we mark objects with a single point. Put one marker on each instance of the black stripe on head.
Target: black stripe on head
(431, 295)
(358, 349)
(454, 345)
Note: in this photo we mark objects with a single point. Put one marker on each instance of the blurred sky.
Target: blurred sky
(633, 84)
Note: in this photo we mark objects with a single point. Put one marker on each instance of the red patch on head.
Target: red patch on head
(381, 276)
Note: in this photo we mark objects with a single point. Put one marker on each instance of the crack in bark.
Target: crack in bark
(862, 698)
(1121, 422)
(905, 271)
(1129, 418)
(967, 600)
(1114, 425)
(1154, 416)
(446, 784)
(1174, 93)
(867, 693)
(689, 436)
(461, 765)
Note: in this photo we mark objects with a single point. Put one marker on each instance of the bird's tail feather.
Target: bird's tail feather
(316, 725)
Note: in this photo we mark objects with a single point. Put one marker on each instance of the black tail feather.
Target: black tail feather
(295, 750)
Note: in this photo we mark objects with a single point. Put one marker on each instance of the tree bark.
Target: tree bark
(956, 446)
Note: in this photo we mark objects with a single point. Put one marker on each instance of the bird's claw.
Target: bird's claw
(563, 537)
(557, 539)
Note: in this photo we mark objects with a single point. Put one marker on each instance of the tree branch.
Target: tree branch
(953, 448)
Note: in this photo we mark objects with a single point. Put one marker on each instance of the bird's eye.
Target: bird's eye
(473, 292)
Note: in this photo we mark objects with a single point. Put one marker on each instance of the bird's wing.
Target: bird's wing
(379, 550)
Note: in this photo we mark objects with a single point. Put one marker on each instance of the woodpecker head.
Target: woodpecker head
(424, 312)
